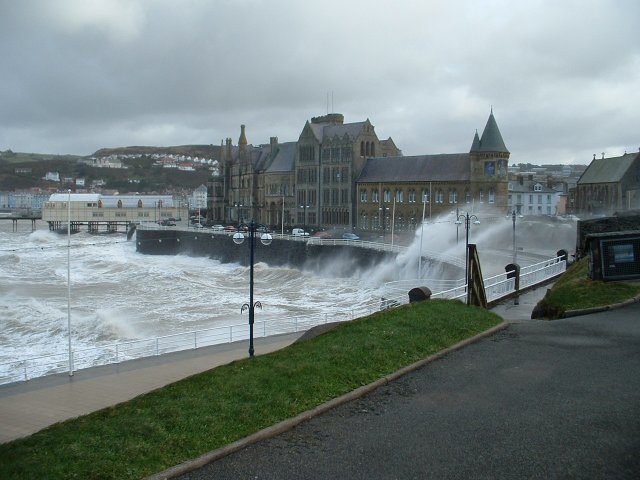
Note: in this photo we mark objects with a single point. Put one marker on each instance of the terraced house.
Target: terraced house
(342, 176)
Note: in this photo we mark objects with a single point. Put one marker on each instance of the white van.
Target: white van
(299, 232)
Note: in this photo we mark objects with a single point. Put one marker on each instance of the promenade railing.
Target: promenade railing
(390, 294)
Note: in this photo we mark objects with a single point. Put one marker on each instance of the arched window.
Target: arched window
(373, 149)
(439, 196)
(368, 146)
(386, 196)
(119, 203)
(362, 149)
(426, 196)
(399, 196)
(467, 196)
(453, 196)
(140, 203)
(375, 196)
(412, 196)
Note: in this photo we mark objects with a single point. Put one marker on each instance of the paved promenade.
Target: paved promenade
(538, 400)
(26, 408)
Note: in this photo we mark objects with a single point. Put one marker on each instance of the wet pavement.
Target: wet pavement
(539, 399)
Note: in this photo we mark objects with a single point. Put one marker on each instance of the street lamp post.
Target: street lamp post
(304, 217)
(467, 221)
(265, 239)
(513, 219)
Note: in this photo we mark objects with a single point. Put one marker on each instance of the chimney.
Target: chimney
(273, 142)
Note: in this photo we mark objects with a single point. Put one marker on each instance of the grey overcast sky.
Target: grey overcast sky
(562, 76)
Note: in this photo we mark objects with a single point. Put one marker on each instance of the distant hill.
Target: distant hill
(207, 151)
(20, 171)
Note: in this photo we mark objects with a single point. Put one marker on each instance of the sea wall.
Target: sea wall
(342, 260)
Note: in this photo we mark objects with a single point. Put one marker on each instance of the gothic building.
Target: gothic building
(310, 182)
(609, 185)
(342, 176)
(403, 189)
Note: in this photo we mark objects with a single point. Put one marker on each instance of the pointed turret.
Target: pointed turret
(475, 146)
(491, 140)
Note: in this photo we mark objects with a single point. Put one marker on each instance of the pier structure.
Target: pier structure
(16, 218)
(108, 213)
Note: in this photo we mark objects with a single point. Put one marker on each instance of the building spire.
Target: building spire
(491, 140)
(242, 141)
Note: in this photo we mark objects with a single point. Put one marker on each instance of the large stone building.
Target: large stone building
(310, 182)
(342, 176)
(402, 189)
(609, 185)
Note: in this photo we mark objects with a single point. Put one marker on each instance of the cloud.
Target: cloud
(80, 75)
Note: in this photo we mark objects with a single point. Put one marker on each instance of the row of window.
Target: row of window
(532, 199)
(377, 222)
(439, 196)
(337, 154)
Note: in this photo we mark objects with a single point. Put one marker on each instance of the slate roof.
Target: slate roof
(418, 168)
(325, 130)
(284, 160)
(607, 170)
(527, 187)
(261, 157)
(491, 140)
(350, 129)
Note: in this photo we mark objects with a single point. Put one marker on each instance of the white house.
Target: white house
(530, 197)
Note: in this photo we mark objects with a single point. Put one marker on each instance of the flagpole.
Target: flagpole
(69, 280)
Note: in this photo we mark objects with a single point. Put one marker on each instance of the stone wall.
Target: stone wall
(618, 223)
(341, 260)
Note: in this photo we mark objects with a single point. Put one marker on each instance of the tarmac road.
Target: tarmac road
(539, 399)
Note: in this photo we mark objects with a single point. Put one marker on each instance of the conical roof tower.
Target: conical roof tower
(491, 140)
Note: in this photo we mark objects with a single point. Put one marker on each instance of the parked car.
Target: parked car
(299, 232)
(322, 234)
(230, 229)
(218, 228)
(350, 236)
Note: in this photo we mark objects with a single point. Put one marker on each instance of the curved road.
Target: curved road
(537, 400)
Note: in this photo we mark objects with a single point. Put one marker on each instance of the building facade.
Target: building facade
(308, 183)
(530, 197)
(397, 192)
(608, 185)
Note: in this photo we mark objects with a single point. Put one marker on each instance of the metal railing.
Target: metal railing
(392, 294)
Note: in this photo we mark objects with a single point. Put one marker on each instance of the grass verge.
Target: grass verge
(189, 418)
(574, 290)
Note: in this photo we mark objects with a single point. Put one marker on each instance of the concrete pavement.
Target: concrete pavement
(538, 400)
(28, 407)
